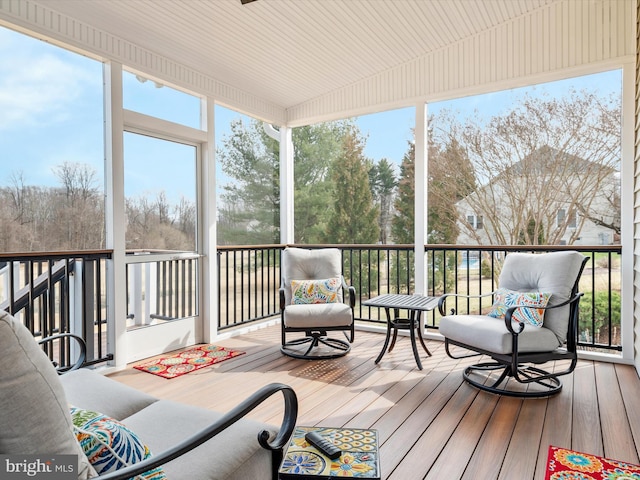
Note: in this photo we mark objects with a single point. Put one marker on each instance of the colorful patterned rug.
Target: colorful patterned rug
(563, 464)
(188, 361)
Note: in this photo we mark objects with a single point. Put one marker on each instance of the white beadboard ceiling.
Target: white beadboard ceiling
(285, 56)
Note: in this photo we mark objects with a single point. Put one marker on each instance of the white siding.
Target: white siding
(636, 204)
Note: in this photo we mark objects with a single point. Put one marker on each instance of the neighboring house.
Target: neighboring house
(549, 197)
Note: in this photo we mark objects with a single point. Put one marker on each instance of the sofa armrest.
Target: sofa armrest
(91, 390)
(48, 343)
(276, 445)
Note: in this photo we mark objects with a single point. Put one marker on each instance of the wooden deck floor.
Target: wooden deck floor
(431, 424)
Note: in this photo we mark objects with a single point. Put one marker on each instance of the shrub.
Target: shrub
(599, 318)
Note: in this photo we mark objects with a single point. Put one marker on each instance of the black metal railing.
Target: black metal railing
(66, 292)
(248, 284)
(54, 293)
(378, 269)
(475, 270)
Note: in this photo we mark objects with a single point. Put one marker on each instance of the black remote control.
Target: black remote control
(322, 444)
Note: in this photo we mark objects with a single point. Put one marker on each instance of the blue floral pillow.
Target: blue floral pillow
(109, 445)
(505, 298)
(315, 291)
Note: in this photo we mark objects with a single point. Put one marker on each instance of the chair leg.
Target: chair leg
(478, 376)
(314, 339)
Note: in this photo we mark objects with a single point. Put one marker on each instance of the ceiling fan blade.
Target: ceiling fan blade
(244, 2)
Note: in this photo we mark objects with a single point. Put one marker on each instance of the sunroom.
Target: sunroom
(285, 65)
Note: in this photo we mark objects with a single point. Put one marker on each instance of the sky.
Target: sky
(51, 111)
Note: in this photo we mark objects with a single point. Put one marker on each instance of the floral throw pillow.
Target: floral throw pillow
(109, 445)
(505, 298)
(315, 291)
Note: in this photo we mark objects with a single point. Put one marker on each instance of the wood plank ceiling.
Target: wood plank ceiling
(288, 52)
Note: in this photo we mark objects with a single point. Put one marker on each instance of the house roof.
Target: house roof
(299, 61)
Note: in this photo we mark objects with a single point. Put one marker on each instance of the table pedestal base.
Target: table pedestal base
(412, 324)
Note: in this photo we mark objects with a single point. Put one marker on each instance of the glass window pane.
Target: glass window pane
(51, 147)
(247, 166)
(154, 99)
(523, 156)
(160, 191)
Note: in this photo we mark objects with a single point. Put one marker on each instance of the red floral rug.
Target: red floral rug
(188, 361)
(563, 464)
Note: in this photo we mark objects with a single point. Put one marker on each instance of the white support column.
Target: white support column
(208, 241)
(421, 177)
(286, 186)
(115, 212)
(627, 213)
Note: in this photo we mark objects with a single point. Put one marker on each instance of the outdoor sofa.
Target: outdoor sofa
(35, 419)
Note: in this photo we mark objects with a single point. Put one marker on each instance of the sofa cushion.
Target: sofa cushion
(34, 414)
(109, 445)
(234, 454)
(93, 391)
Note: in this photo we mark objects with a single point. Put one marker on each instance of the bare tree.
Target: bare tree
(78, 180)
(76, 212)
(18, 193)
(542, 170)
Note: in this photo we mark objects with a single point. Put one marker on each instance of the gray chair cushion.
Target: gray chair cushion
(490, 334)
(92, 391)
(318, 315)
(554, 272)
(307, 264)
(34, 413)
(234, 454)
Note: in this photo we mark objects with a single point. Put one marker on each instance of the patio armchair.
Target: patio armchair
(533, 321)
(166, 437)
(312, 302)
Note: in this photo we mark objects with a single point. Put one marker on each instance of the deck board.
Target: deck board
(586, 434)
(616, 433)
(558, 422)
(431, 424)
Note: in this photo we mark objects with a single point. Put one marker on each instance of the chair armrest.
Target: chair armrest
(352, 297)
(282, 300)
(82, 355)
(443, 299)
(352, 292)
(231, 417)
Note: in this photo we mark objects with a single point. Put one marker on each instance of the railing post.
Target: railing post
(150, 290)
(75, 305)
(14, 285)
(89, 306)
(135, 293)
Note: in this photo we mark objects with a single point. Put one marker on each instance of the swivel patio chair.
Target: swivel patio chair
(533, 320)
(312, 302)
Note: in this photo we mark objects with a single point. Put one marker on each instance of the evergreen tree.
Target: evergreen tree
(402, 224)
(451, 178)
(354, 218)
(250, 211)
(316, 148)
(383, 184)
